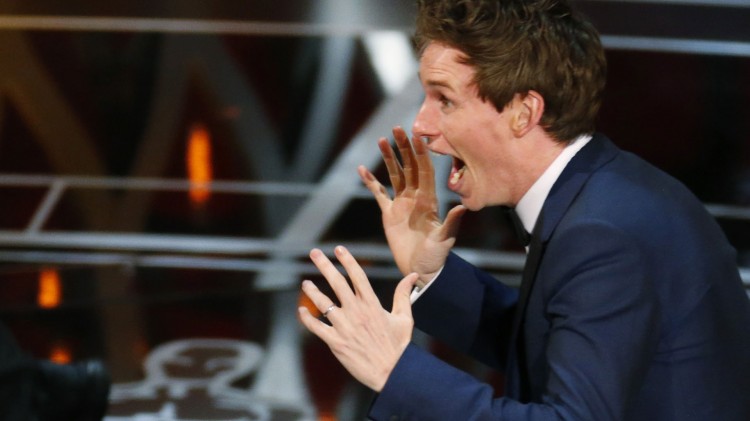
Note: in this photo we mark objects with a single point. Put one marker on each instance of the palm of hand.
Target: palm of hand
(418, 239)
(412, 227)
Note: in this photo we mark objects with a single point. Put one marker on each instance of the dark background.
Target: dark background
(99, 97)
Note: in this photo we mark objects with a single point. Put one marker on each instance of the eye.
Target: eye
(445, 102)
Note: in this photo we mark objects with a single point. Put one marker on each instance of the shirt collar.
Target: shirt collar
(530, 205)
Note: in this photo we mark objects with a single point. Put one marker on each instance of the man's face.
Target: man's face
(458, 123)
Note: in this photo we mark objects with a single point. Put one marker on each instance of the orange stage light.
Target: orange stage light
(326, 416)
(198, 160)
(60, 354)
(50, 289)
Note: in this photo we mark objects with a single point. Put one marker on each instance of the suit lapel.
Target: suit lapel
(592, 156)
(518, 377)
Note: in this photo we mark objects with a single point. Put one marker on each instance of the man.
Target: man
(631, 306)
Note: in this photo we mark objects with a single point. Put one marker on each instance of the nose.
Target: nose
(425, 124)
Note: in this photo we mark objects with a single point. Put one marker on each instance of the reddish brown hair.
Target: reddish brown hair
(520, 45)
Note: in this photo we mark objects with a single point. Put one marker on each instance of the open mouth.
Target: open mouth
(457, 171)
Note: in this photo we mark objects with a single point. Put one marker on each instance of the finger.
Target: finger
(335, 279)
(318, 328)
(449, 229)
(379, 192)
(361, 284)
(410, 164)
(426, 173)
(402, 295)
(395, 172)
(321, 301)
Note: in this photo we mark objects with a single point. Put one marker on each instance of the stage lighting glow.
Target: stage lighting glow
(198, 160)
(392, 57)
(50, 289)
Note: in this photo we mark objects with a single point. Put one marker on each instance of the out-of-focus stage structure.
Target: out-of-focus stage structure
(293, 96)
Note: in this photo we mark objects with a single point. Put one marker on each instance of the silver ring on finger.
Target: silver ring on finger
(328, 310)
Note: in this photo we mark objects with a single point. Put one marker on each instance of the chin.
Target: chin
(471, 205)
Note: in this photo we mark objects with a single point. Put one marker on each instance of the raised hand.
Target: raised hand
(419, 240)
(363, 336)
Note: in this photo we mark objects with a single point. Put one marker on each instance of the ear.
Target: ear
(528, 109)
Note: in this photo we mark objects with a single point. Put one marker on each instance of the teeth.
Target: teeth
(457, 175)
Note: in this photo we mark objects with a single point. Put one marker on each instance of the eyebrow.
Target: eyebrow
(439, 83)
(436, 83)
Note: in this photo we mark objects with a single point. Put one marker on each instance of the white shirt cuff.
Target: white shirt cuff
(419, 291)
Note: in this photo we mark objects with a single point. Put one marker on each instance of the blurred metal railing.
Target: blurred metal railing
(35, 245)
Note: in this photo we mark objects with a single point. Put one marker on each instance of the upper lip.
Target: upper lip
(457, 162)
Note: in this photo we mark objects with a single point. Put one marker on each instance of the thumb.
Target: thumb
(402, 295)
(451, 222)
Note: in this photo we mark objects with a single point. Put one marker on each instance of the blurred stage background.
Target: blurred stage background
(166, 166)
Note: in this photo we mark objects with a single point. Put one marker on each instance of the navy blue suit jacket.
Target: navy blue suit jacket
(634, 311)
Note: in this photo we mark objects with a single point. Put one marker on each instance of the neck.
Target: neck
(539, 151)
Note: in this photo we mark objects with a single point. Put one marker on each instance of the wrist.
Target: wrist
(427, 278)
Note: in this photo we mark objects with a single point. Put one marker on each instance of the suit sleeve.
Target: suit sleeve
(450, 313)
(598, 306)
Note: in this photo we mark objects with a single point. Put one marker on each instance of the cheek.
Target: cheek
(482, 154)
(491, 172)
